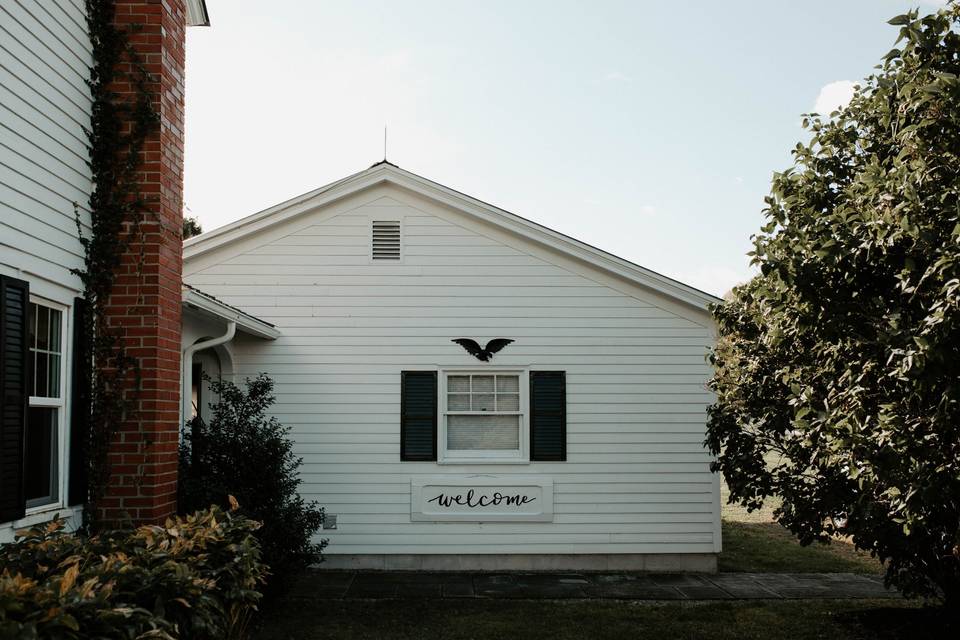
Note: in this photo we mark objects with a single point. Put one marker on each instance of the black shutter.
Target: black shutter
(548, 415)
(418, 415)
(14, 393)
(80, 387)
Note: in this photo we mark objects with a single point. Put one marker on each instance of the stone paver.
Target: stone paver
(350, 585)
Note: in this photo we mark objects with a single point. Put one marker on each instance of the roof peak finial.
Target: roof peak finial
(384, 143)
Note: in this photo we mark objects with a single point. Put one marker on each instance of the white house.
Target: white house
(578, 445)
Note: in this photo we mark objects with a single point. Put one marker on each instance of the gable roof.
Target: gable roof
(386, 172)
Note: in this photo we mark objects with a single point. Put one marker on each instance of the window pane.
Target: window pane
(458, 402)
(41, 456)
(509, 384)
(483, 402)
(40, 374)
(54, 329)
(483, 384)
(43, 327)
(45, 330)
(32, 324)
(53, 376)
(508, 402)
(458, 384)
(483, 433)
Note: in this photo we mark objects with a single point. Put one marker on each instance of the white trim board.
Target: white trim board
(247, 323)
(197, 15)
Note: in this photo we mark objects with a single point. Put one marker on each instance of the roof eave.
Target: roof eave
(537, 233)
(276, 214)
(245, 322)
(197, 15)
(526, 229)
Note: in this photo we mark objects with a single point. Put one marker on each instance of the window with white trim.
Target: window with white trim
(43, 441)
(484, 416)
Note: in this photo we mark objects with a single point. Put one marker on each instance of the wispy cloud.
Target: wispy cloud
(647, 210)
(616, 76)
(834, 96)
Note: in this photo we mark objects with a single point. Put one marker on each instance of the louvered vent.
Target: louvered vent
(386, 240)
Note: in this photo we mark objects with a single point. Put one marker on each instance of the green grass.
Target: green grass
(753, 542)
(768, 547)
(739, 514)
(597, 620)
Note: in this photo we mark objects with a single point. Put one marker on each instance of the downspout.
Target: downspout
(187, 365)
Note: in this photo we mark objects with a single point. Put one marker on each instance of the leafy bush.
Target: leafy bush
(196, 577)
(244, 453)
(841, 360)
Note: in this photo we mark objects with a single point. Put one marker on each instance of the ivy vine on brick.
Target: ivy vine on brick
(119, 128)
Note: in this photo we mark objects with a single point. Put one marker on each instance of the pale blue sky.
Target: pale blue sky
(648, 129)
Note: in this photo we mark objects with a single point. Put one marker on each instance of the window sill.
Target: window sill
(43, 507)
(463, 461)
(45, 513)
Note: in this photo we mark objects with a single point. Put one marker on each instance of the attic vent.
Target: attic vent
(386, 240)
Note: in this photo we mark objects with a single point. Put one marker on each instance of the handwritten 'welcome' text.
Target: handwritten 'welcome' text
(472, 500)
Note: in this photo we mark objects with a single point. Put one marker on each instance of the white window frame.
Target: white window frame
(520, 456)
(60, 404)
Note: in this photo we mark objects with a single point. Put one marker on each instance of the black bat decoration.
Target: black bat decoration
(485, 353)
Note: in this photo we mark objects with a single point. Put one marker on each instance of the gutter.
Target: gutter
(186, 364)
(249, 324)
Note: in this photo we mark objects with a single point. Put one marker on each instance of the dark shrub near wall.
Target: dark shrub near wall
(244, 453)
(196, 577)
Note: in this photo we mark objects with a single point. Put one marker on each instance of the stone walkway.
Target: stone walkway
(352, 585)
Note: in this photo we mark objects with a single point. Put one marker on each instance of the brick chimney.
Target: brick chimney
(146, 301)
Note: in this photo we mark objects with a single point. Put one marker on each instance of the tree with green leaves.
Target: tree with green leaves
(837, 368)
(191, 227)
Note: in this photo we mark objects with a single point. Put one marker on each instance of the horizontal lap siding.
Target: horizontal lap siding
(44, 108)
(637, 478)
(45, 105)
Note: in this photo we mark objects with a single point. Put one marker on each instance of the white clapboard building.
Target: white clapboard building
(578, 444)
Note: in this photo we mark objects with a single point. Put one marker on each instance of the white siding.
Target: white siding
(637, 478)
(45, 104)
(44, 107)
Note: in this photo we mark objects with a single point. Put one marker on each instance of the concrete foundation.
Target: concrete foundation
(646, 562)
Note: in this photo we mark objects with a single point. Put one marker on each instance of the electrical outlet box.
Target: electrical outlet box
(329, 521)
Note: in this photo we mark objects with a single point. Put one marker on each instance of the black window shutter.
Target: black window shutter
(14, 393)
(548, 415)
(80, 388)
(418, 415)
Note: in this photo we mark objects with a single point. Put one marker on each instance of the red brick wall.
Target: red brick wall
(146, 301)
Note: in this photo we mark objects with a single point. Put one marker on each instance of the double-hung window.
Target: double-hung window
(484, 416)
(464, 416)
(44, 438)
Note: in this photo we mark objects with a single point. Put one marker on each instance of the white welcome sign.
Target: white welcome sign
(481, 498)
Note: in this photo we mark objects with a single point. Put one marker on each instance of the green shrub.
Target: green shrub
(244, 453)
(196, 577)
(840, 361)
